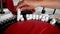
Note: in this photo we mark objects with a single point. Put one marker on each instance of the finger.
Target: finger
(27, 8)
(20, 5)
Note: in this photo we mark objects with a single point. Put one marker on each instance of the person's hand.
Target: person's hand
(24, 6)
(30, 4)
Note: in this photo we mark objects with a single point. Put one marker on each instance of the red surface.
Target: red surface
(10, 6)
(32, 27)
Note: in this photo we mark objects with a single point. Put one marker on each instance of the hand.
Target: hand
(30, 4)
(24, 6)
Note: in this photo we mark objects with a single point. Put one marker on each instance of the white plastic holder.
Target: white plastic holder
(18, 14)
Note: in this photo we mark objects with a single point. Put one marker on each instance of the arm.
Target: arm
(52, 4)
(44, 3)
